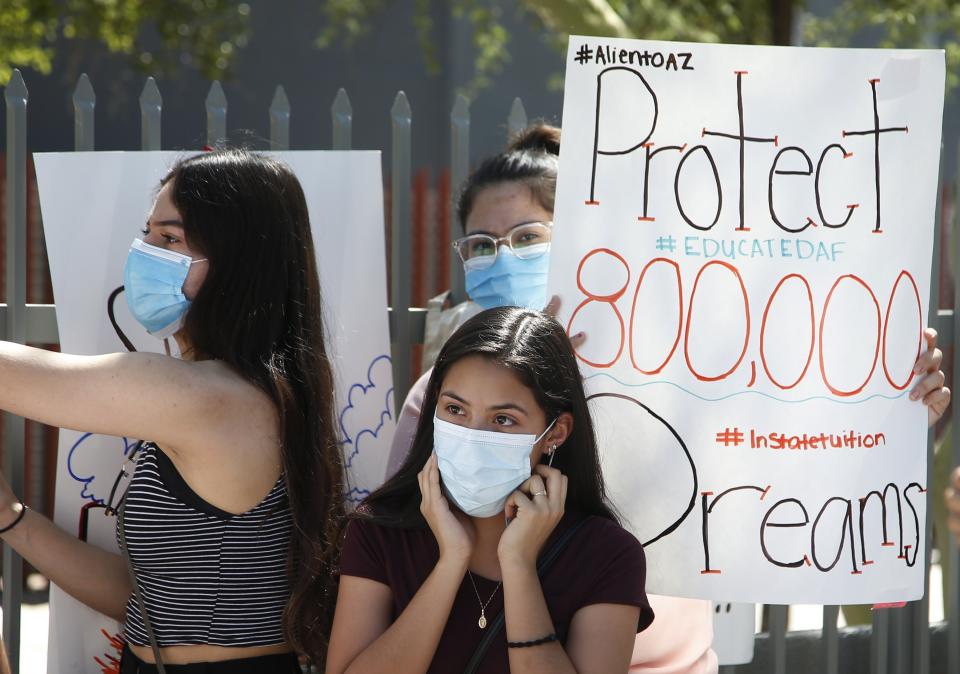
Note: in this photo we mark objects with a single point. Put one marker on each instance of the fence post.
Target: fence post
(341, 113)
(151, 103)
(280, 121)
(84, 100)
(831, 640)
(459, 167)
(778, 637)
(900, 646)
(16, 99)
(517, 119)
(953, 582)
(400, 217)
(216, 105)
(916, 636)
(879, 636)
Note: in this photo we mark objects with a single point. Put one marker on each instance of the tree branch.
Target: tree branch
(580, 17)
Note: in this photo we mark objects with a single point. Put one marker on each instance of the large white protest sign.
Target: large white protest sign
(93, 205)
(745, 235)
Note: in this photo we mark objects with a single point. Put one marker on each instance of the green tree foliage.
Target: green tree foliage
(347, 20)
(884, 23)
(201, 33)
(160, 35)
(893, 23)
(747, 21)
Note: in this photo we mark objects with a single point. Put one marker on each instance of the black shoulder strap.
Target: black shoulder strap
(122, 536)
(542, 567)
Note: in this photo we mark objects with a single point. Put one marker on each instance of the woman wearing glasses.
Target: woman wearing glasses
(231, 519)
(506, 210)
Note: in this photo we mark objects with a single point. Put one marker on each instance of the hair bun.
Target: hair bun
(538, 137)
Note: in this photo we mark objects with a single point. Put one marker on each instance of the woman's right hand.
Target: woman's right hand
(453, 531)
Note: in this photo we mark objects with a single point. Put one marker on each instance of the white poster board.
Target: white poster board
(745, 236)
(93, 205)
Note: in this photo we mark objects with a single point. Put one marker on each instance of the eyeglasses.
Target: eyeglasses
(113, 503)
(526, 241)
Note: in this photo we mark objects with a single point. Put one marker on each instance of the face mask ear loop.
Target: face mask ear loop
(553, 448)
(166, 345)
(113, 320)
(545, 431)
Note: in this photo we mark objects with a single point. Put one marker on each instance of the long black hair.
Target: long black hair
(259, 311)
(536, 348)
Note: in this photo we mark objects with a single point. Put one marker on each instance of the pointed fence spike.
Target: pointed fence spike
(16, 88)
(216, 97)
(517, 121)
(84, 103)
(341, 112)
(151, 106)
(280, 120)
(216, 104)
(150, 95)
(341, 103)
(401, 107)
(280, 103)
(401, 244)
(461, 110)
(459, 168)
(83, 93)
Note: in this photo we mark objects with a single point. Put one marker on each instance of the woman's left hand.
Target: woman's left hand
(533, 511)
(930, 388)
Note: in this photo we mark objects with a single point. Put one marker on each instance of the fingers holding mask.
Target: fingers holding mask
(533, 511)
(556, 486)
(526, 496)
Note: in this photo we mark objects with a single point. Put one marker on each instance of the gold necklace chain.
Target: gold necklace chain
(482, 623)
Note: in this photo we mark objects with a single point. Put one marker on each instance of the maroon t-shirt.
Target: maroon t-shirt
(601, 564)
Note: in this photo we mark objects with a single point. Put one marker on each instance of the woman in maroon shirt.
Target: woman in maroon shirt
(429, 561)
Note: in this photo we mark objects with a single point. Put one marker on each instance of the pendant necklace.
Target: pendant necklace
(482, 623)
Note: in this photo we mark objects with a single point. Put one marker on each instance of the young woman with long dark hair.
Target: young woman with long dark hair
(232, 517)
(427, 566)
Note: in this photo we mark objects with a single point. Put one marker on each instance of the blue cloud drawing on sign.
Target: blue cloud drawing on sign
(359, 424)
(82, 460)
(356, 495)
(368, 411)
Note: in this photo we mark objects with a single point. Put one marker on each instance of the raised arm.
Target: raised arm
(123, 394)
(601, 635)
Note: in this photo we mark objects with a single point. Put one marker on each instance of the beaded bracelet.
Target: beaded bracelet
(16, 521)
(536, 642)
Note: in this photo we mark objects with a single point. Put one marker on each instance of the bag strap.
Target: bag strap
(121, 535)
(542, 567)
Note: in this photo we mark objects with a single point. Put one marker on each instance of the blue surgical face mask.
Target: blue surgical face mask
(510, 280)
(480, 469)
(153, 285)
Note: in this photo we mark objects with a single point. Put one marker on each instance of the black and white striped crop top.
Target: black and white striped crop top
(207, 576)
